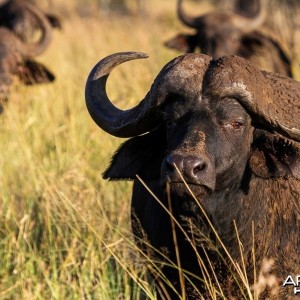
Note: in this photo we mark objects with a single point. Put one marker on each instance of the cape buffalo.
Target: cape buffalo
(17, 57)
(218, 143)
(221, 33)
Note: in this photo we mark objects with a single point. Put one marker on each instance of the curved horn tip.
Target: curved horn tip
(139, 54)
(108, 63)
(129, 55)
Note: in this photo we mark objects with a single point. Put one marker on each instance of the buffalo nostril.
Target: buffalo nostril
(190, 167)
(199, 166)
(194, 167)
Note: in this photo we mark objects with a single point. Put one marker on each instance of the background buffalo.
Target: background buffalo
(226, 32)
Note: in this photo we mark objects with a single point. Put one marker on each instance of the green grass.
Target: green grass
(65, 232)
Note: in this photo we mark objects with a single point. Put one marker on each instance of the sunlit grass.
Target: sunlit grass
(64, 232)
(60, 223)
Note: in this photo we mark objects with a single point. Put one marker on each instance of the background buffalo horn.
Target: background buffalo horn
(36, 48)
(248, 24)
(117, 122)
(271, 99)
(245, 23)
(184, 18)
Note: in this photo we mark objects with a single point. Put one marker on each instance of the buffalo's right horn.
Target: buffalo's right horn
(117, 122)
(186, 19)
(173, 79)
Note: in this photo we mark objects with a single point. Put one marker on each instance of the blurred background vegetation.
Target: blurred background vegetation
(65, 232)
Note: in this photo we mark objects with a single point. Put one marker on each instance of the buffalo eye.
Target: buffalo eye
(236, 125)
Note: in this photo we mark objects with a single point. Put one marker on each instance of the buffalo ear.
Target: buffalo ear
(183, 42)
(274, 156)
(140, 155)
(32, 72)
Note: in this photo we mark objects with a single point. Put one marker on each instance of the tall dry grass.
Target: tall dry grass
(64, 232)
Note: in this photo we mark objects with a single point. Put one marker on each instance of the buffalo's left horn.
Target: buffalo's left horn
(117, 122)
(271, 99)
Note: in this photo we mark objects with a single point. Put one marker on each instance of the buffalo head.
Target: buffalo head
(223, 100)
(218, 33)
(222, 33)
(207, 128)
